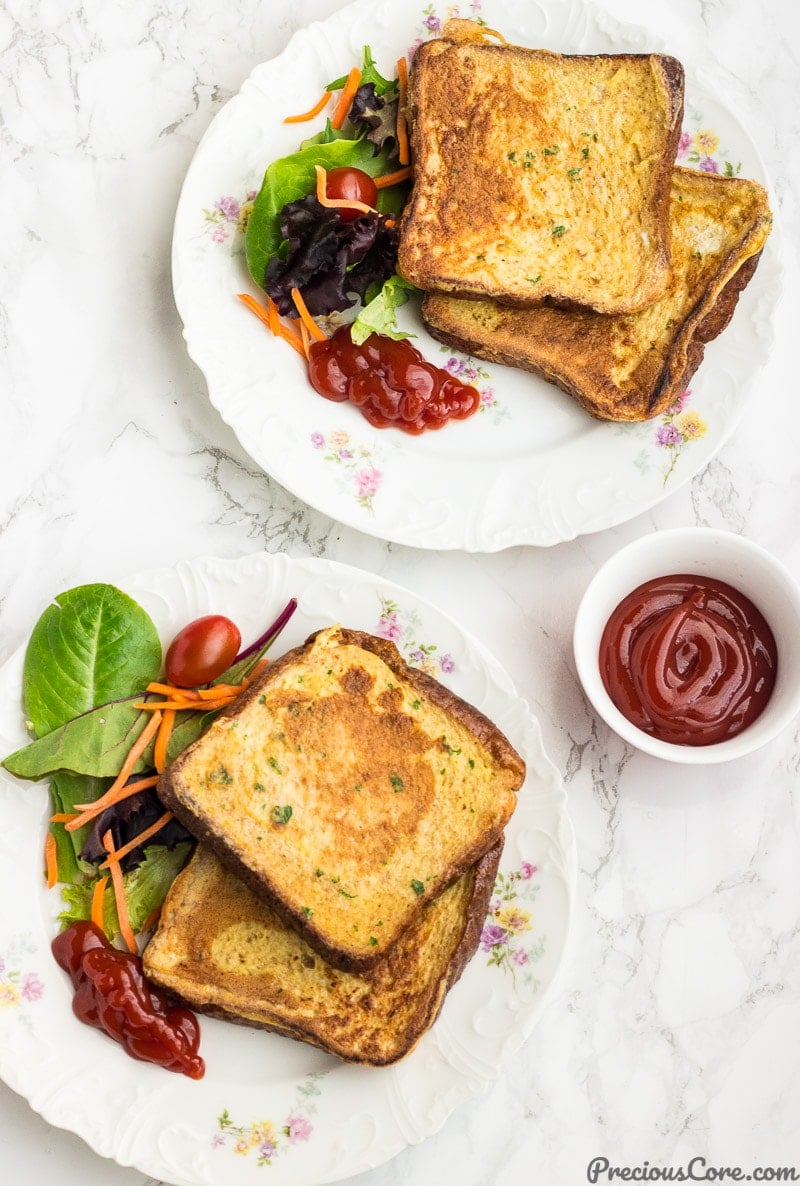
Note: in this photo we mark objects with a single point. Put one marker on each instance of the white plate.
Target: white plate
(530, 467)
(265, 1098)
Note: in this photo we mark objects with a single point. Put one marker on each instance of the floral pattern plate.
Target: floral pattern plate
(530, 467)
(265, 1100)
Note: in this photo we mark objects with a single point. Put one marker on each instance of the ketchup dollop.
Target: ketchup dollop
(112, 994)
(688, 659)
(389, 381)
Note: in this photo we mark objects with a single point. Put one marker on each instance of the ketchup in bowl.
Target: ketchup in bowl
(688, 659)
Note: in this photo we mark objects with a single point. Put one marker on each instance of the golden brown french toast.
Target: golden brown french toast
(223, 951)
(539, 174)
(631, 367)
(348, 790)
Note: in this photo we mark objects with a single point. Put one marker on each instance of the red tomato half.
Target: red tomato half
(355, 186)
(202, 651)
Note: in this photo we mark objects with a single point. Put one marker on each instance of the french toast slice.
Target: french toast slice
(539, 174)
(347, 789)
(636, 366)
(222, 951)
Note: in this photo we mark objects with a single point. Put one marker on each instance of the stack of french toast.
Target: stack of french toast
(349, 811)
(550, 228)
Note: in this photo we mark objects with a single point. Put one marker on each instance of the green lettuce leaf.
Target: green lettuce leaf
(145, 889)
(369, 73)
(379, 316)
(92, 645)
(97, 743)
(292, 177)
(67, 789)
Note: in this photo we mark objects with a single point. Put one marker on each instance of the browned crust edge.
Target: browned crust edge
(430, 1007)
(346, 960)
(705, 323)
(702, 327)
(673, 77)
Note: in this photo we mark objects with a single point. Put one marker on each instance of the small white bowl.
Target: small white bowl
(705, 552)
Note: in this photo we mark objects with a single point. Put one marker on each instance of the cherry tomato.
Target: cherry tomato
(202, 651)
(353, 184)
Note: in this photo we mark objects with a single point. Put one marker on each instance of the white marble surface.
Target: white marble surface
(674, 1028)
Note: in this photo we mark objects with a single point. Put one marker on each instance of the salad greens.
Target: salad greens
(286, 246)
(93, 644)
(97, 742)
(378, 315)
(294, 177)
(89, 660)
(145, 889)
(369, 75)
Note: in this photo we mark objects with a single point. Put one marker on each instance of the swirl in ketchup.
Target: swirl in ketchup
(688, 659)
(390, 381)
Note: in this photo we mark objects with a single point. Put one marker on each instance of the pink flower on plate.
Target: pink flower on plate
(389, 627)
(447, 664)
(684, 142)
(527, 870)
(317, 440)
(219, 234)
(230, 208)
(368, 481)
(300, 1129)
(32, 987)
(668, 435)
(491, 936)
(520, 956)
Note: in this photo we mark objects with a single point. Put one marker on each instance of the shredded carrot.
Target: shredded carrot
(125, 928)
(135, 752)
(273, 320)
(202, 705)
(162, 739)
(176, 704)
(88, 811)
(217, 690)
(260, 666)
(254, 307)
(304, 334)
(118, 855)
(346, 98)
(189, 706)
(98, 897)
(118, 791)
(152, 919)
(403, 150)
(305, 317)
(306, 115)
(338, 203)
(293, 338)
(63, 817)
(270, 319)
(393, 178)
(171, 690)
(50, 860)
